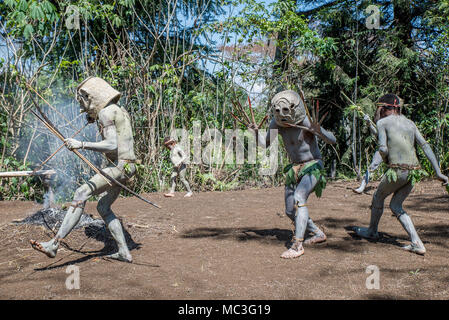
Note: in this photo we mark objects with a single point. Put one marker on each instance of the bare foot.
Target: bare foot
(317, 238)
(366, 233)
(296, 250)
(49, 248)
(120, 256)
(415, 249)
(169, 195)
(188, 195)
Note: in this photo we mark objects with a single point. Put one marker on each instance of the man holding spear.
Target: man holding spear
(98, 99)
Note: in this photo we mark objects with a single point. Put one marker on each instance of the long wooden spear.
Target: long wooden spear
(57, 133)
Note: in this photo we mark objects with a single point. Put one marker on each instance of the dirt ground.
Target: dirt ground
(226, 245)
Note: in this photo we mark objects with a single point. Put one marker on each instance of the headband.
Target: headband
(383, 104)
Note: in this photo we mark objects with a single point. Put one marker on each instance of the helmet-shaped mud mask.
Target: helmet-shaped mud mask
(287, 108)
(94, 94)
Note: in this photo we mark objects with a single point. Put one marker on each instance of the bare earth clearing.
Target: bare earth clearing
(226, 245)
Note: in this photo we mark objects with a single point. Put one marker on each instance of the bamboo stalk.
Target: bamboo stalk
(238, 107)
(9, 174)
(263, 120)
(29, 147)
(251, 110)
(236, 118)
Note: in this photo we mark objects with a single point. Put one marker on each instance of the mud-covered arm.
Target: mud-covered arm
(430, 155)
(327, 136)
(108, 144)
(375, 163)
(319, 131)
(382, 138)
(372, 128)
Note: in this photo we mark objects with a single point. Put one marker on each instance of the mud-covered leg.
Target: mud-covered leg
(302, 192)
(114, 225)
(384, 189)
(71, 219)
(318, 234)
(290, 211)
(182, 177)
(396, 202)
(289, 197)
(173, 177)
(377, 207)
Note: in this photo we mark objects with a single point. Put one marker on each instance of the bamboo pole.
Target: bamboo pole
(10, 174)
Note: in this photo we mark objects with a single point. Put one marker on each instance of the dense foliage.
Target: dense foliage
(180, 62)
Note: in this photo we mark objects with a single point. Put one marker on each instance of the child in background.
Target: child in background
(177, 157)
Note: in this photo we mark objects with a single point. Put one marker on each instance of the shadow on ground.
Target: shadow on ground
(274, 235)
(384, 237)
(101, 234)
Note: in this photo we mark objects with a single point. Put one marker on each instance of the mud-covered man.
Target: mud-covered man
(177, 158)
(397, 136)
(99, 100)
(305, 173)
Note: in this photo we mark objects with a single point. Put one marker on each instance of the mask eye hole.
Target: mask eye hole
(292, 106)
(82, 94)
(82, 98)
(285, 110)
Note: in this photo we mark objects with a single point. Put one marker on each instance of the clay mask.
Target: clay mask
(94, 94)
(287, 108)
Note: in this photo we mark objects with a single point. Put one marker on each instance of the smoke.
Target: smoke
(49, 197)
(71, 172)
